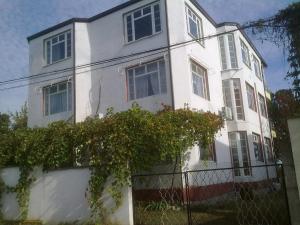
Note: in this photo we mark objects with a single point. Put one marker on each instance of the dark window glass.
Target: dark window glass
(143, 27)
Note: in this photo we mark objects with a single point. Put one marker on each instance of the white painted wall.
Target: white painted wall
(61, 196)
(102, 88)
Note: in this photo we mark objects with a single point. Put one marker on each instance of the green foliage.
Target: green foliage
(283, 106)
(4, 123)
(113, 147)
(283, 29)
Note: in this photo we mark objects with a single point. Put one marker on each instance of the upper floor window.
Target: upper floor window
(146, 80)
(258, 152)
(245, 54)
(208, 153)
(232, 90)
(251, 97)
(194, 24)
(200, 83)
(58, 47)
(57, 98)
(262, 105)
(143, 22)
(228, 52)
(257, 69)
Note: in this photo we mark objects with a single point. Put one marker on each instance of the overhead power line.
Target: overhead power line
(105, 61)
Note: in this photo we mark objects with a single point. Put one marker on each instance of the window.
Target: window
(251, 97)
(57, 98)
(268, 148)
(262, 105)
(209, 153)
(232, 89)
(58, 48)
(238, 99)
(245, 54)
(199, 77)
(147, 80)
(257, 69)
(258, 151)
(143, 22)
(228, 52)
(194, 24)
(238, 144)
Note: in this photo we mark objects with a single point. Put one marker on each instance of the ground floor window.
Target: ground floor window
(57, 98)
(208, 153)
(257, 146)
(238, 144)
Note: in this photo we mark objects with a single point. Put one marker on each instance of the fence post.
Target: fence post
(187, 194)
(285, 193)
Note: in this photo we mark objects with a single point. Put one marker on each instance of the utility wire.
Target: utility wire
(52, 73)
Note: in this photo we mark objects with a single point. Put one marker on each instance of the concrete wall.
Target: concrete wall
(60, 196)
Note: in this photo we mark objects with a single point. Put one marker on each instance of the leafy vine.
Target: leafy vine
(112, 147)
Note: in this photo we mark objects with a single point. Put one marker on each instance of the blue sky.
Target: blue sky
(21, 18)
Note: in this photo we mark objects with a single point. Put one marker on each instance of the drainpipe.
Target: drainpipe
(169, 51)
(74, 74)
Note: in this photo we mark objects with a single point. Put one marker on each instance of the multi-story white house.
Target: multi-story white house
(142, 51)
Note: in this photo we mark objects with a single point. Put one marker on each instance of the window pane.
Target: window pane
(131, 84)
(58, 103)
(69, 44)
(223, 52)
(251, 97)
(163, 79)
(129, 28)
(257, 148)
(70, 96)
(147, 10)
(157, 18)
(232, 51)
(48, 52)
(198, 85)
(58, 52)
(143, 27)
(238, 99)
(147, 85)
(137, 14)
(46, 101)
(193, 28)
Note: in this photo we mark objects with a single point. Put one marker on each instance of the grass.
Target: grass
(265, 209)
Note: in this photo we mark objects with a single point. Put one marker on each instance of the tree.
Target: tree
(284, 30)
(283, 106)
(4, 122)
(20, 118)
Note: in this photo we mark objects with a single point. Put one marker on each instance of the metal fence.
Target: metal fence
(211, 197)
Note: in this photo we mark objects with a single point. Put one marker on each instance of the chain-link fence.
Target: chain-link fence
(212, 197)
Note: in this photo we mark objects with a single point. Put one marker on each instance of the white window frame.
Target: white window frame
(239, 153)
(228, 55)
(257, 67)
(203, 77)
(47, 97)
(191, 14)
(50, 41)
(256, 140)
(251, 94)
(230, 97)
(131, 14)
(262, 105)
(245, 54)
(162, 76)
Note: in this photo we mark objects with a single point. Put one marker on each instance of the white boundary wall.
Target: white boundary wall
(60, 196)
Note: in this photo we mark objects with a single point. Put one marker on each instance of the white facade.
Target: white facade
(98, 84)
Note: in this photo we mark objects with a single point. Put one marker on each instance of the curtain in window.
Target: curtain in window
(58, 103)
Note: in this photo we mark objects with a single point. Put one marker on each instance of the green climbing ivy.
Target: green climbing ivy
(112, 147)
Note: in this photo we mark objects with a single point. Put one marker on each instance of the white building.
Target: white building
(83, 66)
